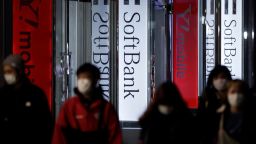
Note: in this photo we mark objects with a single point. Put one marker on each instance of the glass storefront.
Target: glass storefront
(101, 32)
(137, 44)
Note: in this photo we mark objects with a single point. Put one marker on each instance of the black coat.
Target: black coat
(208, 118)
(24, 115)
(176, 128)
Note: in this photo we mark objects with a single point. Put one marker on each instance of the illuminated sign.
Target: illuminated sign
(231, 36)
(210, 37)
(185, 50)
(32, 39)
(101, 43)
(133, 58)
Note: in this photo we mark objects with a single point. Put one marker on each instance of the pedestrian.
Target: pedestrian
(24, 111)
(235, 124)
(87, 118)
(167, 120)
(213, 98)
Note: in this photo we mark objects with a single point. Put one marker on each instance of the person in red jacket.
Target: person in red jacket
(87, 118)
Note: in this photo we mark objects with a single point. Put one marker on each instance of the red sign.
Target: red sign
(32, 39)
(185, 50)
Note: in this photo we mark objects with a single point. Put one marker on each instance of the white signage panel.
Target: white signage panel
(231, 36)
(210, 37)
(100, 42)
(133, 59)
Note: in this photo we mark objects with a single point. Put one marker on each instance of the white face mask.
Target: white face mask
(165, 110)
(235, 99)
(84, 86)
(219, 84)
(10, 79)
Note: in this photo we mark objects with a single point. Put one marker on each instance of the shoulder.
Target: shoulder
(71, 101)
(33, 88)
(108, 105)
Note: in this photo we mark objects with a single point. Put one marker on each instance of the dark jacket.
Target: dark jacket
(24, 115)
(207, 117)
(175, 128)
(240, 127)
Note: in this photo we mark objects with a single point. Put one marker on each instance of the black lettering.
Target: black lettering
(100, 17)
(130, 58)
(130, 93)
(102, 58)
(228, 25)
(129, 29)
(25, 39)
(130, 20)
(128, 71)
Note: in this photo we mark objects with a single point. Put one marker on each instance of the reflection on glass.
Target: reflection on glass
(137, 2)
(105, 2)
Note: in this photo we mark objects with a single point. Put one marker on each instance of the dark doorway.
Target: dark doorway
(5, 31)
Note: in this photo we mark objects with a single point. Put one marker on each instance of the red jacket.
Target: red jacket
(84, 118)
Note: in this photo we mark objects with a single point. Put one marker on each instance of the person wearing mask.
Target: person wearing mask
(87, 118)
(167, 120)
(24, 112)
(213, 98)
(235, 121)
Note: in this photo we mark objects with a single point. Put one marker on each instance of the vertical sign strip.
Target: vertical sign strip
(185, 57)
(212, 6)
(137, 2)
(226, 7)
(32, 39)
(100, 44)
(126, 2)
(133, 58)
(231, 38)
(210, 37)
(234, 7)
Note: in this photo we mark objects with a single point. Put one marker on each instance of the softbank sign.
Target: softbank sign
(210, 37)
(231, 36)
(133, 57)
(100, 42)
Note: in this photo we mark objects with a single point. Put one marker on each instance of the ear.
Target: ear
(98, 84)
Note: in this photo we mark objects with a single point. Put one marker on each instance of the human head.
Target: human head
(88, 76)
(237, 91)
(168, 95)
(167, 100)
(13, 69)
(218, 78)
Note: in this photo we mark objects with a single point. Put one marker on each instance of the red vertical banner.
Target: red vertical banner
(185, 49)
(32, 39)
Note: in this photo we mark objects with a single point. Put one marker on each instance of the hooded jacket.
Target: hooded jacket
(24, 115)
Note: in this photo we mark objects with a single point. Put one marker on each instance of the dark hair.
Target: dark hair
(167, 94)
(91, 69)
(219, 69)
(95, 74)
